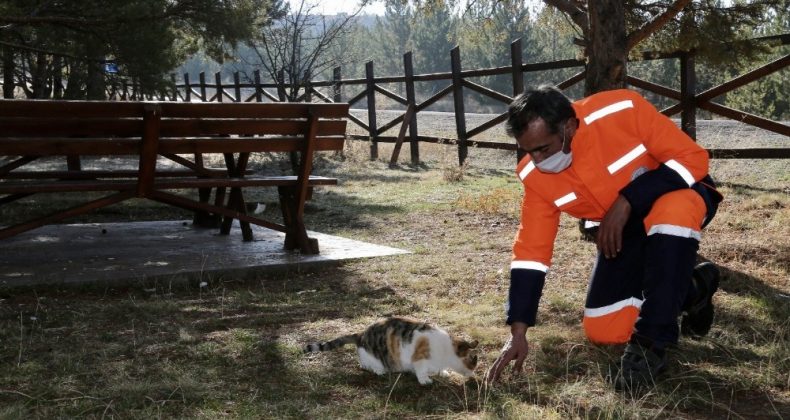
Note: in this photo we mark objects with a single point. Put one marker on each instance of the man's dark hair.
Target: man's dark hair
(546, 102)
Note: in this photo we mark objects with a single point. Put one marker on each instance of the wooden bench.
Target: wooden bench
(179, 132)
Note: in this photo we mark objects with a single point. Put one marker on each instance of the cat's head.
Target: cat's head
(465, 350)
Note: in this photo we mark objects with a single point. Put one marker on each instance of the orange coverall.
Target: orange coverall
(623, 145)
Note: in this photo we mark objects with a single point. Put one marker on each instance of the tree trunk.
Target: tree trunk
(39, 77)
(8, 72)
(607, 47)
(95, 84)
(57, 77)
(75, 81)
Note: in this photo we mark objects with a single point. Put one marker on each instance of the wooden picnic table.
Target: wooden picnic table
(181, 133)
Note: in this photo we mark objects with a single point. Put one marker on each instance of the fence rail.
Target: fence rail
(689, 100)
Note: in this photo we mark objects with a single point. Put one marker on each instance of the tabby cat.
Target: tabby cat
(399, 344)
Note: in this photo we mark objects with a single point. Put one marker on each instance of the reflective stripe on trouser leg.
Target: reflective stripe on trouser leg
(673, 233)
(615, 292)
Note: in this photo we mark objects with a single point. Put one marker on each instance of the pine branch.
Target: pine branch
(577, 14)
(39, 50)
(654, 25)
(48, 20)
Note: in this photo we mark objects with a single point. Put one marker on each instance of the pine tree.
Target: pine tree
(610, 29)
(50, 40)
(433, 36)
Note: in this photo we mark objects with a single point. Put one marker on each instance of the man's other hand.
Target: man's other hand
(516, 349)
(610, 234)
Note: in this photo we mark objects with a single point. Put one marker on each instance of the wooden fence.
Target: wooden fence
(688, 99)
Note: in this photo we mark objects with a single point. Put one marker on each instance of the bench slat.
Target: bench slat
(80, 109)
(98, 109)
(24, 187)
(130, 146)
(252, 110)
(243, 144)
(55, 127)
(94, 174)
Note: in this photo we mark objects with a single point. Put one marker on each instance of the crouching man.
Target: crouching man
(614, 160)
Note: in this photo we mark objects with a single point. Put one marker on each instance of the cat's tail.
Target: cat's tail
(333, 344)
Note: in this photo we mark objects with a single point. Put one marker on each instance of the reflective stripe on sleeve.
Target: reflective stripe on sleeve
(565, 199)
(591, 224)
(608, 309)
(529, 265)
(627, 158)
(675, 230)
(681, 170)
(610, 109)
(527, 169)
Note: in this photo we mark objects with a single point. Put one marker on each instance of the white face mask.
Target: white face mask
(557, 162)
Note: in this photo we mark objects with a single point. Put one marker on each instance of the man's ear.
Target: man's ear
(571, 124)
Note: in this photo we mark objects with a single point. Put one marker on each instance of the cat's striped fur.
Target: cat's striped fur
(399, 344)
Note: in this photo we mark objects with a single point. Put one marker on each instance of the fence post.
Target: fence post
(220, 89)
(308, 87)
(337, 92)
(281, 85)
(518, 81)
(411, 100)
(136, 94)
(237, 83)
(371, 89)
(174, 97)
(187, 89)
(202, 78)
(688, 88)
(57, 78)
(458, 101)
(257, 78)
(9, 84)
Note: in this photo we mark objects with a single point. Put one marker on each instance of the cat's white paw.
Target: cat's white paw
(375, 369)
(424, 381)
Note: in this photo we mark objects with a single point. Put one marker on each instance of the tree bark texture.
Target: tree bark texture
(606, 46)
(8, 72)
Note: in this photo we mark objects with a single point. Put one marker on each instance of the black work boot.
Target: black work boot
(639, 368)
(698, 316)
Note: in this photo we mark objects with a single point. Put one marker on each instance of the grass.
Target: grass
(231, 348)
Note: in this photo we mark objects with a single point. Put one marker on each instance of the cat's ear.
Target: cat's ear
(463, 346)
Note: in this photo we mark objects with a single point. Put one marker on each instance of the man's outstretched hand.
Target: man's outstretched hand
(516, 349)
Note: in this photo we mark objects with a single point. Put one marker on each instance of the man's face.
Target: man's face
(539, 141)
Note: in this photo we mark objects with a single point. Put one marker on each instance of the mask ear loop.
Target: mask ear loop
(564, 136)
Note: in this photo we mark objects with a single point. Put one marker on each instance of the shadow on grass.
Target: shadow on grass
(231, 348)
(776, 302)
(176, 351)
(749, 190)
(739, 370)
(729, 371)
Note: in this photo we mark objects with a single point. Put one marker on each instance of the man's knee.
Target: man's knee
(610, 325)
(681, 210)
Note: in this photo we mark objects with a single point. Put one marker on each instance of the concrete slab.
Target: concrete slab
(127, 252)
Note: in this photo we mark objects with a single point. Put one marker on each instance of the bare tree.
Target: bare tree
(297, 47)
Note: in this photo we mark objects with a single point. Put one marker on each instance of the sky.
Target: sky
(332, 7)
